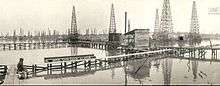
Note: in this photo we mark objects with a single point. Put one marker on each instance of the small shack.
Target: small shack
(137, 38)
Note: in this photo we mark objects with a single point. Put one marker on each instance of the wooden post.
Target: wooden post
(19, 46)
(47, 68)
(85, 64)
(43, 45)
(100, 62)
(105, 62)
(33, 70)
(3, 46)
(34, 45)
(15, 46)
(61, 67)
(89, 63)
(75, 65)
(51, 69)
(29, 45)
(194, 54)
(9, 46)
(95, 62)
(71, 66)
(64, 67)
(24, 46)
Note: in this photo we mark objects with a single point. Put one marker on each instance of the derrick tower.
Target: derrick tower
(194, 35)
(166, 25)
(112, 26)
(157, 22)
(73, 34)
(113, 38)
(156, 25)
(194, 26)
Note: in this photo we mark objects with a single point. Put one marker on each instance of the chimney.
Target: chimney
(125, 21)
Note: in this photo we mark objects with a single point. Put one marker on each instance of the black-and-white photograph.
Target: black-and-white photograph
(109, 42)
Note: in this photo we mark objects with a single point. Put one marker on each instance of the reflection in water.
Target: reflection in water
(2, 77)
(167, 69)
(188, 65)
(157, 64)
(74, 50)
(139, 69)
(194, 69)
(124, 68)
(113, 72)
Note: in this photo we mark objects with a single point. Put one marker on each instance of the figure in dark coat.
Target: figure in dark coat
(20, 66)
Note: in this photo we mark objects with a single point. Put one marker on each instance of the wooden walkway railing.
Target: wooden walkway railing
(3, 72)
(87, 63)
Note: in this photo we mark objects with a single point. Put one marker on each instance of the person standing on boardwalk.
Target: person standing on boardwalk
(20, 65)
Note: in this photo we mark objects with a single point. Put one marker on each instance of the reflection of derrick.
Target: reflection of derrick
(112, 66)
(139, 69)
(74, 50)
(167, 69)
(195, 69)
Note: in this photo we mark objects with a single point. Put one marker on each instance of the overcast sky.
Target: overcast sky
(56, 14)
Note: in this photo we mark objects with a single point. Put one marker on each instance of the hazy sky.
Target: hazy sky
(56, 14)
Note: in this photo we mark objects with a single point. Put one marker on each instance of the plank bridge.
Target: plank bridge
(101, 63)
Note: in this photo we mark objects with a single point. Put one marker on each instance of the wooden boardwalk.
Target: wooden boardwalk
(142, 53)
(203, 48)
(196, 59)
(87, 63)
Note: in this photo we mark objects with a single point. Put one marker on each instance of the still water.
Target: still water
(140, 71)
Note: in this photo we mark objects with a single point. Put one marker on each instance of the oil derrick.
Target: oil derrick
(112, 27)
(14, 36)
(114, 37)
(157, 25)
(54, 36)
(73, 36)
(166, 25)
(21, 35)
(194, 26)
(49, 35)
(29, 37)
(42, 36)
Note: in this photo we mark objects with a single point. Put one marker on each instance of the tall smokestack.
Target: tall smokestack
(125, 21)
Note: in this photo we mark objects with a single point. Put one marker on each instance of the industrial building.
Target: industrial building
(137, 38)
